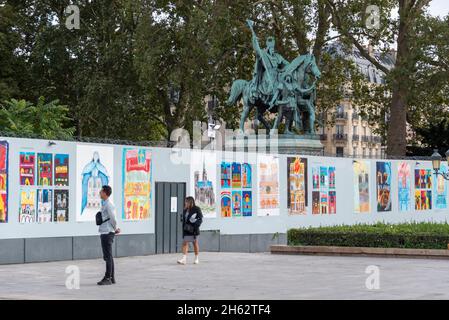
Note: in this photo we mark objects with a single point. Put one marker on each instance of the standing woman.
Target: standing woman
(191, 221)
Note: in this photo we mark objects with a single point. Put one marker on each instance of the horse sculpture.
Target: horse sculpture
(307, 99)
(299, 92)
(241, 90)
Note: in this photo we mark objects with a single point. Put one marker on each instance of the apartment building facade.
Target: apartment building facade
(351, 135)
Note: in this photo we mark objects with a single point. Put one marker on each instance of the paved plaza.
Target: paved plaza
(232, 276)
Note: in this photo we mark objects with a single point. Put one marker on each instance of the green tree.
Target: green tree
(110, 102)
(409, 36)
(46, 120)
(11, 65)
(91, 70)
(429, 94)
(139, 69)
(437, 134)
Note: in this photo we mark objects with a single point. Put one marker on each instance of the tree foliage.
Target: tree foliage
(46, 120)
(137, 69)
(415, 86)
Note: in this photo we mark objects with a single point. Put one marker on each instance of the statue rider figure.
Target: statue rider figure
(287, 91)
(268, 65)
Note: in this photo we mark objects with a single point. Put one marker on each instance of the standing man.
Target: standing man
(108, 229)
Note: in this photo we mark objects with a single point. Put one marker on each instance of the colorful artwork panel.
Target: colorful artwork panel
(27, 209)
(268, 185)
(4, 167)
(44, 205)
(27, 168)
(297, 185)
(324, 178)
(62, 170)
(441, 189)
(61, 206)
(237, 203)
(423, 189)
(44, 169)
(315, 202)
(236, 175)
(361, 186)
(203, 174)
(332, 202)
(315, 178)
(94, 169)
(226, 211)
(246, 176)
(404, 186)
(324, 182)
(136, 168)
(247, 204)
(225, 175)
(324, 201)
(383, 186)
(331, 177)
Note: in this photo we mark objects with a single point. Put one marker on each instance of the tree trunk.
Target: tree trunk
(322, 29)
(397, 126)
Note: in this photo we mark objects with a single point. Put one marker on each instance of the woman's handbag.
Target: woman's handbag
(189, 228)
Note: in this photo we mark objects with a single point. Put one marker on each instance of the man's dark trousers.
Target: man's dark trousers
(106, 245)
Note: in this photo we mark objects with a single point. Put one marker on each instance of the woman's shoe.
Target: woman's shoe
(182, 261)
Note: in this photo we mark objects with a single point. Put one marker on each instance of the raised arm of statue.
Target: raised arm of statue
(254, 39)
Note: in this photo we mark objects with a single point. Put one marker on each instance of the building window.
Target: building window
(340, 112)
(339, 151)
(339, 129)
(364, 131)
(340, 109)
(364, 152)
(354, 130)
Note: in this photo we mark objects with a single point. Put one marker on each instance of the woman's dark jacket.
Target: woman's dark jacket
(196, 225)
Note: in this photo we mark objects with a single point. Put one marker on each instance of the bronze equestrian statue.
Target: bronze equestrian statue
(278, 86)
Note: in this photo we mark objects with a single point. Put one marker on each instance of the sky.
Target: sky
(436, 8)
(439, 8)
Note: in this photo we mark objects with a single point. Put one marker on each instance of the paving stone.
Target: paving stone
(231, 276)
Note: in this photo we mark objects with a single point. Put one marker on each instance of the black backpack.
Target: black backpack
(99, 219)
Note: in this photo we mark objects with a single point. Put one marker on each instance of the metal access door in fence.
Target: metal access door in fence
(169, 204)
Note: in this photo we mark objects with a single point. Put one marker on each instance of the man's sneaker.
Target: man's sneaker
(113, 280)
(182, 261)
(105, 282)
(197, 260)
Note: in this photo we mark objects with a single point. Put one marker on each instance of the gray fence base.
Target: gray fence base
(88, 247)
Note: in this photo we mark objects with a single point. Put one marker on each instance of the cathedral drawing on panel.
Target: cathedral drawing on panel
(204, 191)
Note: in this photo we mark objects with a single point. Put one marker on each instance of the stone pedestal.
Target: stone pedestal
(281, 144)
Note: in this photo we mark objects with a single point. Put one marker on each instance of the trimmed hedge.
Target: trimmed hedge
(380, 235)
